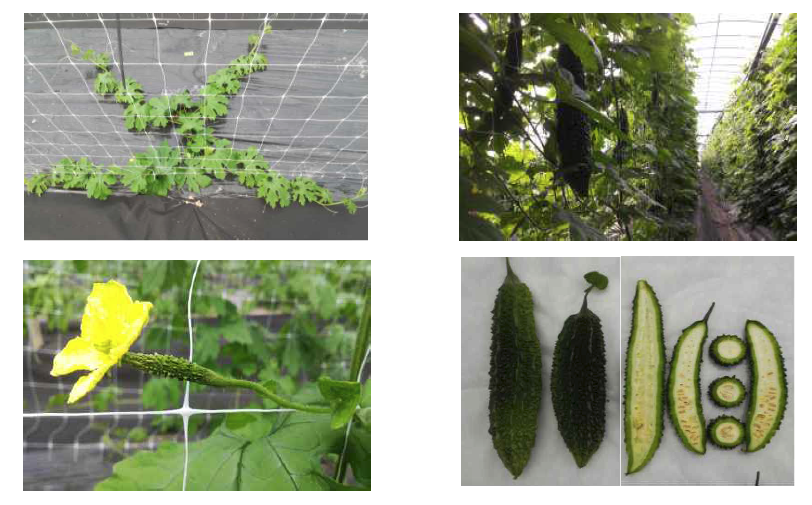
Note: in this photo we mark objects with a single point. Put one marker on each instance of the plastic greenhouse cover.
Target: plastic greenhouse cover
(306, 113)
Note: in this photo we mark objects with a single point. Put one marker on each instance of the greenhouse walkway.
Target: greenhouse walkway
(716, 220)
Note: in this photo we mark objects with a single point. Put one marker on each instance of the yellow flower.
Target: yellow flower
(111, 324)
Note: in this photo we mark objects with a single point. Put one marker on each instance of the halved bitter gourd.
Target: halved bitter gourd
(728, 350)
(727, 391)
(726, 432)
(645, 376)
(768, 386)
(684, 397)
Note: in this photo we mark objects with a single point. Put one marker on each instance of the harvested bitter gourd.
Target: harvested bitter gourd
(768, 386)
(684, 397)
(578, 382)
(728, 350)
(645, 375)
(515, 383)
(726, 432)
(727, 391)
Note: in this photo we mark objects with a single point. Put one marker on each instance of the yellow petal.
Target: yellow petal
(79, 354)
(112, 317)
(87, 383)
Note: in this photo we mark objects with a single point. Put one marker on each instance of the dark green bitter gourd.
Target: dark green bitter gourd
(503, 117)
(573, 131)
(768, 386)
(645, 375)
(578, 383)
(684, 397)
(515, 374)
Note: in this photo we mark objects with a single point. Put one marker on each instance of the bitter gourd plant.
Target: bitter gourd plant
(515, 374)
(578, 382)
(768, 386)
(156, 171)
(728, 350)
(572, 129)
(726, 432)
(645, 377)
(727, 391)
(684, 397)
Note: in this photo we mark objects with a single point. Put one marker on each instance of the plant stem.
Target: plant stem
(181, 369)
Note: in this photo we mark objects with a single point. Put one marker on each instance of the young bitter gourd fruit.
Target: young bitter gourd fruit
(768, 386)
(726, 432)
(578, 383)
(572, 130)
(515, 383)
(728, 350)
(645, 375)
(684, 396)
(506, 87)
(727, 391)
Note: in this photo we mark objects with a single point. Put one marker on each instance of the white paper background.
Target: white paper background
(557, 286)
(743, 288)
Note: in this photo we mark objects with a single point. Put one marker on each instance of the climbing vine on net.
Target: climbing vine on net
(160, 169)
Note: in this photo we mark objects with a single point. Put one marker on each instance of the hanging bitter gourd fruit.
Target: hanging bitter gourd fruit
(504, 119)
(726, 432)
(768, 386)
(684, 397)
(573, 130)
(728, 350)
(515, 374)
(727, 391)
(645, 375)
(578, 381)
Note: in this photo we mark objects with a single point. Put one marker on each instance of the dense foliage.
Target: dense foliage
(752, 151)
(594, 137)
(201, 156)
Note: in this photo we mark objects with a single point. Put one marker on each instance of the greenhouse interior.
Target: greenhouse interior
(628, 126)
(196, 126)
(239, 375)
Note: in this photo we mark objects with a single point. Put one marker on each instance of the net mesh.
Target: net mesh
(306, 113)
(285, 321)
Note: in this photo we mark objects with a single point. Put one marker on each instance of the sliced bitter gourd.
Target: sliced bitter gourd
(726, 432)
(768, 386)
(645, 375)
(727, 391)
(684, 397)
(515, 385)
(728, 350)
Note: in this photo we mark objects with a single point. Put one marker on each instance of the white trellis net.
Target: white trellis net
(75, 447)
(306, 112)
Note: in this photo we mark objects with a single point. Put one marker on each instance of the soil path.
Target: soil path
(716, 220)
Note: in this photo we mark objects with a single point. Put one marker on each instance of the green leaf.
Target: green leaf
(306, 190)
(38, 183)
(130, 92)
(137, 435)
(74, 49)
(247, 452)
(475, 54)
(343, 397)
(105, 83)
(160, 111)
(213, 103)
(567, 33)
(136, 116)
(350, 205)
(597, 279)
(225, 81)
(274, 189)
(97, 185)
(181, 100)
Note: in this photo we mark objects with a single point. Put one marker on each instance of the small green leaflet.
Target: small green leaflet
(130, 92)
(225, 80)
(597, 279)
(105, 83)
(195, 179)
(181, 100)
(97, 185)
(274, 189)
(136, 115)
(343, 396)
(160, 111)
(306, 190)
(38, 184)
(213, 104)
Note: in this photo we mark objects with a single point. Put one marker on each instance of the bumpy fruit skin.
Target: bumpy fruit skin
(727, 361)
(573, 130)
(503, 118)
(768, 387)
(578, 384)
(515, 383)
(684, 392)
(645, 336)
(718, 399)
(732, 423)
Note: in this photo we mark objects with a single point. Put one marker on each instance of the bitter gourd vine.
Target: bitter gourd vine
(727, 391)
(726, 432)
(768, 386)
(156, 171)
(684, 397)
(578, 383)
(728, 350)
(515, 374)
(645, 375)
